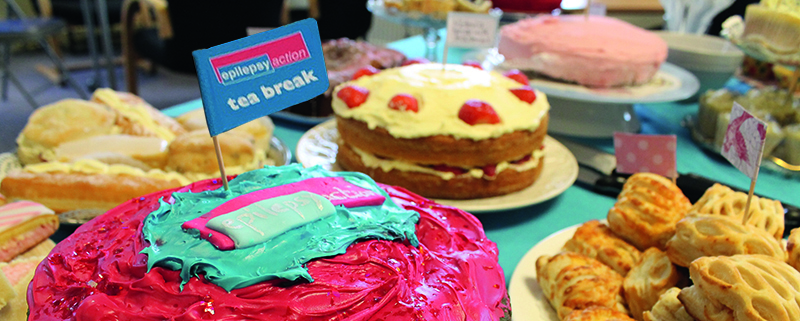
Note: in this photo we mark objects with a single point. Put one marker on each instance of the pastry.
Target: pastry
(380, 253)
(712, 235)
(571, 281)
(23, 225)
(344, 59)
(648, 280)
(136, 117)
(668, 308)
(792, 249)
(597, 313)
(85, 184)
(144, 152)
(438, 9)
(595, 52)
(194, 152)
(765, 213)
(647, 209)
(62, 121)
(457, 133)
(596, 241)
(742, 287)
(258, 130)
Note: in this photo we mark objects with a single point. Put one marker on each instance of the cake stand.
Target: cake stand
(429, 23)
(577, 110)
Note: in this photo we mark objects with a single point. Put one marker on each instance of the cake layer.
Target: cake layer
(595, 52)
(441, 92)
(442, 149)
(464, 186)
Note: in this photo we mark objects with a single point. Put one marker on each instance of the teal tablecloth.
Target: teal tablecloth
(516, 231)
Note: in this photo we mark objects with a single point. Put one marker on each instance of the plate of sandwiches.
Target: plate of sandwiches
(319, 146)
(81, 158)
(658, 257)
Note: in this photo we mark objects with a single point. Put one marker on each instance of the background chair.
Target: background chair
(166, 32)
(21, 29)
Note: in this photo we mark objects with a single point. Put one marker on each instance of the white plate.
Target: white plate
(670, 83)
(527, 300)
(318, 147)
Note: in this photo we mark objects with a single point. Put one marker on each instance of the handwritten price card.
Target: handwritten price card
(260, 74)
(472, 30)
(744, 141)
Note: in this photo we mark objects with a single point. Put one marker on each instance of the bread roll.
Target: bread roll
(765, 214)
(597, 241)
(668, 308)
(712, 235)
(647, 209)
(648, 280)
(571, 281)
(742, 288)
(597, 313)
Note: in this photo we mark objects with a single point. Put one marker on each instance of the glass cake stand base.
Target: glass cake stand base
(588, 119)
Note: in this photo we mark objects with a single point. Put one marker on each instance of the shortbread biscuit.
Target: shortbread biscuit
(597, 241)
(597, 313)
(648, 280)
(765, 213)
(647, 209)
(712, 235)
(742, 288)
(668, 308)
(572, 281)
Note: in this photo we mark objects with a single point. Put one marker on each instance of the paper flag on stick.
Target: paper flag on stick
(646, 153)
(260, 74)
(472, 30)
(744, 141)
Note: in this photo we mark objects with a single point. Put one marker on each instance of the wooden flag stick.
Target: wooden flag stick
(587, 9)
(746, 215)
(218, 150)
(444, 55)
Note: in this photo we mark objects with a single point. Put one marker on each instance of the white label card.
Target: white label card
(471, 30)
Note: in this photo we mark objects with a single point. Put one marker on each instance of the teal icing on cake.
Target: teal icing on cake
(284, 256)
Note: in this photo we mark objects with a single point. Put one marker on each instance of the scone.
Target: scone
(194, 152)
(596, 240)
(62, 121)
(742, 287)
(712, 235)
(259, 129)
(136, 117)
(648, 280)
(792, 249)
(765, 213)
(647, 209)
(597, 313)
(571, 281)
(668, 308)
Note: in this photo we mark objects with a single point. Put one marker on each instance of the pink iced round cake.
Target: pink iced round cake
(596, 52)
(284, 243)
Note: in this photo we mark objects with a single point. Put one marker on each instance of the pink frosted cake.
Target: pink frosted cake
(598, 52)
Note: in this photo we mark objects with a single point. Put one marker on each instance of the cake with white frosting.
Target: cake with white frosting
(454, 133)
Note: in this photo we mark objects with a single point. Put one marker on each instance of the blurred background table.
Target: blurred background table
(516, 231)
